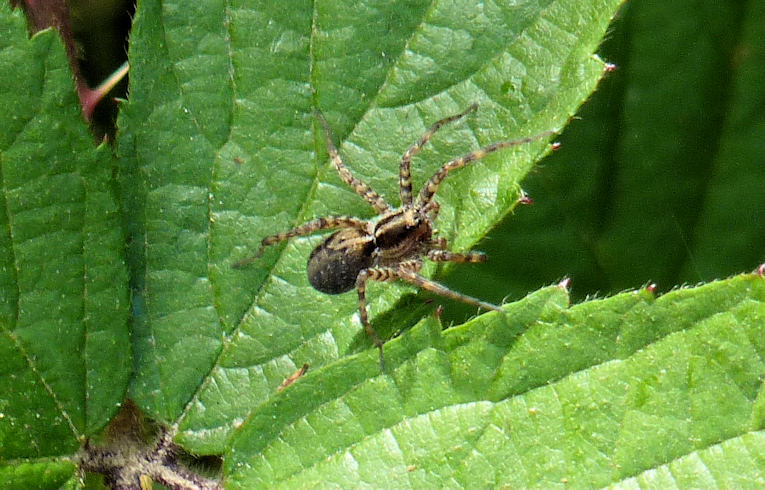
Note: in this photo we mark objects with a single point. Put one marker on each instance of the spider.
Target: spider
(394, 245)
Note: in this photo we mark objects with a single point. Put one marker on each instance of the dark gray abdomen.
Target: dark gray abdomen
(334, 265)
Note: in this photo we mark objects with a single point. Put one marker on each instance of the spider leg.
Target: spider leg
(412, 277)
(431, 187)
(432, 209)
(407, 271)
(446, 256)
(373, 274)
(439, 243)
(306, 229)
(405, 178)
(359, 187)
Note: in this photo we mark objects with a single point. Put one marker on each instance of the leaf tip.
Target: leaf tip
(761, 270)
(524, 199)
(565, 284)
(438, 312)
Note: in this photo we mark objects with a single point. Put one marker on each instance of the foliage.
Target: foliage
(63, 280)
(218, 146)
(660, 177)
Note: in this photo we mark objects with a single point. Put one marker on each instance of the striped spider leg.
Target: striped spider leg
(394, 245)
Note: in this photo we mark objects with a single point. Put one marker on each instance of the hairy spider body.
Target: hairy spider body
(400, 235)
(335, 264)
(395, 245)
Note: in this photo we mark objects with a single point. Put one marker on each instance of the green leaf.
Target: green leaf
(63, 282)
(220, 148)
(734, 463)
(45, 474)
(613, 391)
(660, 178)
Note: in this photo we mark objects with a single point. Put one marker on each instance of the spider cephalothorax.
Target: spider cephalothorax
(393, 246)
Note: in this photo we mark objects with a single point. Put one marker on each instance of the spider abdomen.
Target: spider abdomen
(334, 265)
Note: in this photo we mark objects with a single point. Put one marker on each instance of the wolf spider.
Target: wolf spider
(393, 246)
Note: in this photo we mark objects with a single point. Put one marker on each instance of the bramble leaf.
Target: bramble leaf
(615, 391)
(660, 177)
(64, 339)
(220, 148)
